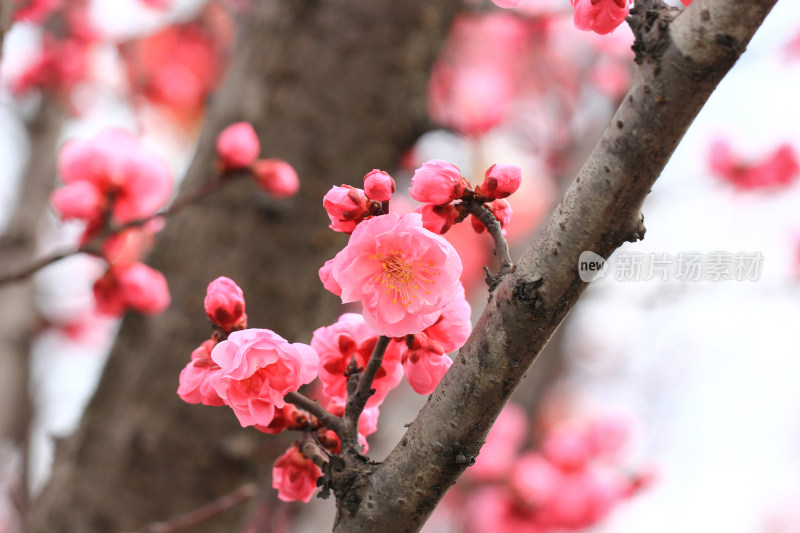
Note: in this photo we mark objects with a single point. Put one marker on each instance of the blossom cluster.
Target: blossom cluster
(779, 168)
(110, 181)
(572, 480)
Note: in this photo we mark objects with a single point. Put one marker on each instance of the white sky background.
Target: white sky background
(712, 369)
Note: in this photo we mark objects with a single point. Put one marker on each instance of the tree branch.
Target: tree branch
(357, 399)
(93, 247)
(312, 406)
(501, 251)
(682, 57)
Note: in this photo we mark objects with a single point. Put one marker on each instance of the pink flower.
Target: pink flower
(438, 218)
(78, 200)
(258, 368)
(379, 186)
(129, 246)
(492, 508)
(238, 146)
(224, 304)
(437, 182)
(568, 447)
(328, 281)
(284, 418)
(277, 177)
(135, 286)
(501, 181)
(295, 476)
(506, 437)
(600, 16)
(403, 274)
(121, 168)
(195, 384)
(346, 207)
(425, 368)
(608, 434)
(453, 327)
(350, 339)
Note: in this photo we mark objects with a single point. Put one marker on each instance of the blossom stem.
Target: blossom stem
(357, 397)
(312, 406)
(93, 247)
(312, 449)
(501, 250)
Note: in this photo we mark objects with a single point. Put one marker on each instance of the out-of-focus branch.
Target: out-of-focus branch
(93, 247)
(682, 56)
(18, 313)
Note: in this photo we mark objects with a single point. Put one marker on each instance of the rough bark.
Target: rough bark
(681, 60)
(335, 87)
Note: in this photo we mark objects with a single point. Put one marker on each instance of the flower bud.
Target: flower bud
(224, 304)
(277, 177)
(438, 218)
(501, 181)
(238, 146)
(437, 182)
(346, 207)
(379, 186)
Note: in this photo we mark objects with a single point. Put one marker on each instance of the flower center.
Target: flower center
(403, 279)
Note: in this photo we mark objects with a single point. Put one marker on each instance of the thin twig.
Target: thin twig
(201, 514)
(311, 448)
(93, 247)
(487, 218)
(358, 396)
(312, 406)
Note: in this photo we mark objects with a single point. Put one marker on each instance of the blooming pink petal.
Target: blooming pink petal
(196, 379)
(348, 340)
(403, 274)
(295, 476)
(426, 372)
(257, 369)
(78, 200)
(238, 145)
(346, 207)
(452, 329)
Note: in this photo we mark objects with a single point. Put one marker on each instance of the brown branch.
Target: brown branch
(204, 513)
(487, 218)
(682, 56)
(312, 449)
(312, 406)
(358, 395)
(93, 247)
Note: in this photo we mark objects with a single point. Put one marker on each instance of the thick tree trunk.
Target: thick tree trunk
(681, 60)
(336, 88)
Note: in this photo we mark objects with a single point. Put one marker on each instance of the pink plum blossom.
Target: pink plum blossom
(196, 379)
(348, 340)
(403, 274)
(501, 181)
(437, 182)
(238, 146)
(438, 218)
(135, 286)
(79, 200)
(600, 16)
(120, 168)
(453, 327)
(277, 177)
(284, 418)
(257, 369)
(295, 476)
(328, 281)
(424, 372)
(346, 207)
(224, 304)
(379, 186)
